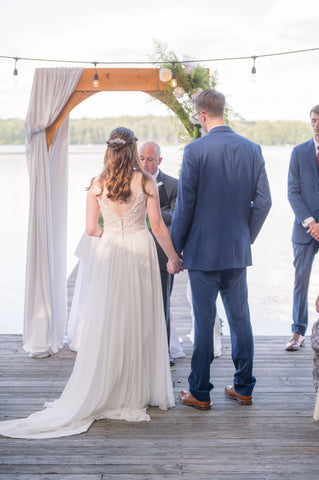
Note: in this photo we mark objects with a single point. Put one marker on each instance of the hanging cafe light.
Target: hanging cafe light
(96, 82)
(174, 80)
(15, 71)
(253, 70)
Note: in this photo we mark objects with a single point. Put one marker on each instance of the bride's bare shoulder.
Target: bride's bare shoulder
(96, 186)
(149, 185)
(148, 179)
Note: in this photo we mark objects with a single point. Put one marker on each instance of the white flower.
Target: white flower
(195, 94)
(179, 92)
(165, 74)
(188, 65)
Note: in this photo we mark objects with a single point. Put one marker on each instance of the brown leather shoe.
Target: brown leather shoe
(230, 392)
(187, 399)
(295, 343)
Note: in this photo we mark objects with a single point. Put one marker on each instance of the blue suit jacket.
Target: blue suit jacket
(222, 202)
(303, 188)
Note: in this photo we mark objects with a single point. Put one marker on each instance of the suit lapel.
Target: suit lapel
(160, 176)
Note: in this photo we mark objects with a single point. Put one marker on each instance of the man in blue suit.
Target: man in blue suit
(303, 195)
(222, 202)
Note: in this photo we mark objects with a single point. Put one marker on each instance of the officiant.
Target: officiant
(150, 156)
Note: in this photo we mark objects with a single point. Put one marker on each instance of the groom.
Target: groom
(222, 202)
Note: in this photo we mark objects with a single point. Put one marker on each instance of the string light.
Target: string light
(80, 62)
(96, 82)
(161, 62)
(174, 80)
(15, 71)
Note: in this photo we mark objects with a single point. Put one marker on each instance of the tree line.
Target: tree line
(162, 130)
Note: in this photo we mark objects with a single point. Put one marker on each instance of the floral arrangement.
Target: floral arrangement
(186, 80)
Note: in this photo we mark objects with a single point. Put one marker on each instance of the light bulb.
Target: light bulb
(96, 82)
(174, 81)
(253, 71)
(253, 74)
(15, 77)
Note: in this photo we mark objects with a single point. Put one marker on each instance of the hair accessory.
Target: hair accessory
(116, 142)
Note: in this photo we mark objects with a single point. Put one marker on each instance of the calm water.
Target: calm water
(270, 279)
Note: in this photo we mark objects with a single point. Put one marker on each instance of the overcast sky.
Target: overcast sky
(286, 86)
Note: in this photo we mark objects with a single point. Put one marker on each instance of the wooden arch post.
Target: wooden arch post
(112, 79)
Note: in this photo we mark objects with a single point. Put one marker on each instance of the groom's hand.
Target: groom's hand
(175, 266)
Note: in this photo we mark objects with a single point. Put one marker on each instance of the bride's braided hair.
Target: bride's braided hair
(120, 160)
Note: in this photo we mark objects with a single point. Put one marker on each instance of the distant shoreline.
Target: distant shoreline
(162, 130)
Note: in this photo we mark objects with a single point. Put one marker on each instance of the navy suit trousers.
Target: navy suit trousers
(232, 286)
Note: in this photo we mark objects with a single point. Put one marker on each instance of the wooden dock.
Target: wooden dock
(275, 438)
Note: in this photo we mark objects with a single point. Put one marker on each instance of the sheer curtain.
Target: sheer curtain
(45, 309)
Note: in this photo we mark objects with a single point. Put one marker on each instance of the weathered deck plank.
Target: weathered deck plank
(268, 440)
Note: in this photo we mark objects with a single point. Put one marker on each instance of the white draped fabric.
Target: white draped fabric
(46, 283)
(85, 251)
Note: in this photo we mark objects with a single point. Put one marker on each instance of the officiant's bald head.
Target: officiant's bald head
(150, 156)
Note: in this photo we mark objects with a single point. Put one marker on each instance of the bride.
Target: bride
(122, 365)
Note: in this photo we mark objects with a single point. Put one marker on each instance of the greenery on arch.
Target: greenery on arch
(191, 78)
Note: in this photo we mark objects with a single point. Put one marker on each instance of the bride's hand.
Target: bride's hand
(175, 266)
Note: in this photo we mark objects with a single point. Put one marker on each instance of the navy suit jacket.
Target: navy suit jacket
(303, 189)
(222, 202)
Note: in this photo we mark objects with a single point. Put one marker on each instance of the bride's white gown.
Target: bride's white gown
(122, 365)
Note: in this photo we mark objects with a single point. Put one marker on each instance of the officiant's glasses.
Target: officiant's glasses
(195, 116)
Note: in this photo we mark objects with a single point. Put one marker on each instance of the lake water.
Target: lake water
(270, 279)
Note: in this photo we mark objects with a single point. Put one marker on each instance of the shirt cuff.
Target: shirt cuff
(306, 222)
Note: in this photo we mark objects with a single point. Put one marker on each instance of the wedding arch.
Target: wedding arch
(55, 92)
(115, 79)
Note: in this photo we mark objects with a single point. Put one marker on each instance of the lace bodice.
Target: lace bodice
(125, 218)
(130, 223)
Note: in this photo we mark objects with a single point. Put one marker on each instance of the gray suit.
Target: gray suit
(167, 194)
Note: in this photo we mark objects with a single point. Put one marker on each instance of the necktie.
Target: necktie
(318, 157)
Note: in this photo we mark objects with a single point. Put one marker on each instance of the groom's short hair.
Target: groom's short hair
(211, 102)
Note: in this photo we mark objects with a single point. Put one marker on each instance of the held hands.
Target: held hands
(176, 265)
(314, 230)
